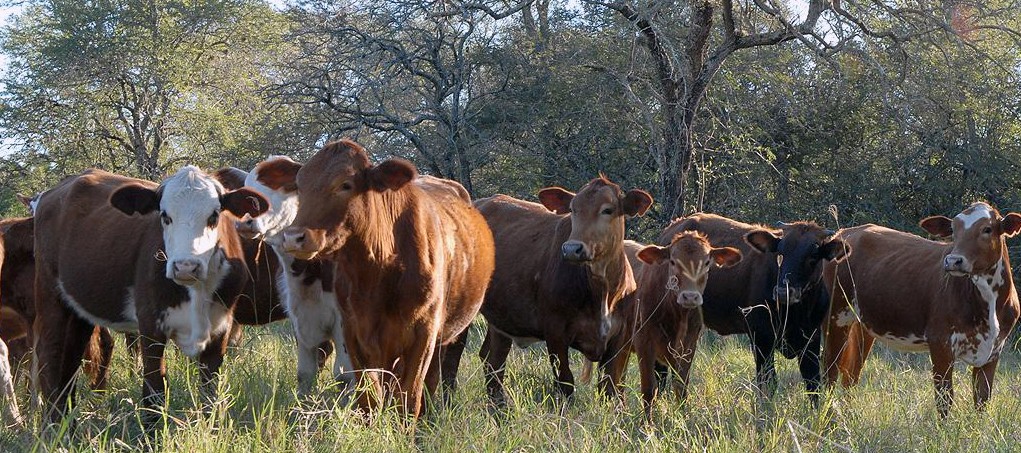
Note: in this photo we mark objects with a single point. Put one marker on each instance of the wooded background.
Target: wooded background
(760, 110)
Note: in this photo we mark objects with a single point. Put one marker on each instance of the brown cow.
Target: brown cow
(559, 274)
(173, 272)
(666, 319)
(955, 300)
(414, 259)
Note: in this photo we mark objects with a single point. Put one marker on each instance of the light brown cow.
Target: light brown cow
(559, 274)
(173, 272)
(955, 300)
(414, 259)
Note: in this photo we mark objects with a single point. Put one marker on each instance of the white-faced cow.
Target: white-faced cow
(126, 254)
(955, 300)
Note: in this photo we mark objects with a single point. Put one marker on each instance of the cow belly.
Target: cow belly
(192, 326)
(521, 342)
(904, 343)
(127, 322)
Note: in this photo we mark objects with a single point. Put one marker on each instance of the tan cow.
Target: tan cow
(955, 300)
(414, 259)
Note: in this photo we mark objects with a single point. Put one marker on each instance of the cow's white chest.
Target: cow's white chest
(194, 323)
(978, 346)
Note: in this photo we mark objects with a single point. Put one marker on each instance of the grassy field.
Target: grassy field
(892, 410)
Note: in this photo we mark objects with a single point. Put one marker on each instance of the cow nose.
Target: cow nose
(247, 229)
(574, 251)
(294, 240)
(186, 269)
(786, 294)
(953, 263)
(690, 299)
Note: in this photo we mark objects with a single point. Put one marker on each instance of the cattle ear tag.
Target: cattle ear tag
(779, 260)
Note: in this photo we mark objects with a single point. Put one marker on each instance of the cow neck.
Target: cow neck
(994, 288)
(373, 223)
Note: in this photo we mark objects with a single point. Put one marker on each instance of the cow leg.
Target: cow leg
(416, 369)
(614, 363)
(11, 414)
(494, 354)
(98, 356)
(451, 358)
(808, 364)
(648, 375)
(61, 339)
(683, 355)
(325, 349)
(308, 367)
(210, 360)
(154, 376)
(560, 360)
(763, 347)
(857, 350)
(982, 383)
(943, 376)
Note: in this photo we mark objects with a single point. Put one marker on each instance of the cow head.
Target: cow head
(690, 257)
(597, 217)
(274, 179)
(977, 234)
(190, 205)
(30, 202)
(339, 189)
(800, 247)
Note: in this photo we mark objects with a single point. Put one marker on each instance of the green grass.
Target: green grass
(891, 410)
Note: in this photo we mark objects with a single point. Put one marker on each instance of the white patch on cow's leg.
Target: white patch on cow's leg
(342, 366)
(12, 416)
(977, 213)
(846, 317)
(200, 325)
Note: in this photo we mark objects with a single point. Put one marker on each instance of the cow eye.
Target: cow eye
(346, 185)
(165, 218)
(211, 221)
(987, 230)
(608, 211)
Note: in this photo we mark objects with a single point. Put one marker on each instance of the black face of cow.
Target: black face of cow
(799, 247)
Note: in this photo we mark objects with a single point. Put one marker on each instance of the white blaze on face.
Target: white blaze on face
(189, 199)
(978, 212)
(283, 206)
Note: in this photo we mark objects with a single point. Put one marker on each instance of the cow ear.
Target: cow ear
(834, 250)
(278, 173)
(1010, 224)
(762, 240)
(652, 254)
(244, 201)
(231, 177)
(25, 200)
(938, 225)
(636, 202)
(133, 198)
(725, 256)
(556, 199)
(391, 174)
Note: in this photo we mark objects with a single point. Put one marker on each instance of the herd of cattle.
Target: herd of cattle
(387, 269)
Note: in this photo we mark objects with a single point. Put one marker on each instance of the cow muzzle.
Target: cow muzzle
(689, 299)
(787, 294)
(575, 252)
(956, 265)
(187, 272)
(247, 228)
(302, 243)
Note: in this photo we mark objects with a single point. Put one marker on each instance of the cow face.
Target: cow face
(190, 205)
(800, 247)
(339, 189)
(274, 179)
(597, 217)
(690, 257)
(977, 234)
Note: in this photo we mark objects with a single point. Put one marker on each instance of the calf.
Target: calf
(306, 286)
(955, 300)
(559, 274)
(413, 258)
(172, 272)
(741, 298)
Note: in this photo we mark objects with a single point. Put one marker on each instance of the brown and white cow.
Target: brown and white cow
(413, 257)
(955, 300)
(558, 274)
(174, 271)
(306, 287)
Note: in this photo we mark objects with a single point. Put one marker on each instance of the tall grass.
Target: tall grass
(891, 410)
